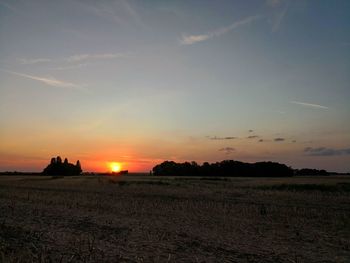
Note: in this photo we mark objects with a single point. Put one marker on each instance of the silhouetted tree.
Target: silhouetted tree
(224, 168)
(78, 167)
(307, 171)
(56, 167)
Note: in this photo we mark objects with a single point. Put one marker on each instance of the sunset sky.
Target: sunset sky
(140, 82)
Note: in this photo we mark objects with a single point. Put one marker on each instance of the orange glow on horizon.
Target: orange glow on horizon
(115, 167)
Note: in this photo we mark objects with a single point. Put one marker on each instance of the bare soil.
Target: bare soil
(171, 219)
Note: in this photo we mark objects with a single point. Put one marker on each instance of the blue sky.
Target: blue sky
(139, 82)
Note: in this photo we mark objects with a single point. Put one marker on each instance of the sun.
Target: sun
(115, 167)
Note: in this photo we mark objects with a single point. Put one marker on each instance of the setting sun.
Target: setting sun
(115, 167)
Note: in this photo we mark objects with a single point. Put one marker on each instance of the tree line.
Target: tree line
(224, 168)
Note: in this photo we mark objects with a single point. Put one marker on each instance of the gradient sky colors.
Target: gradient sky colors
(139, 82)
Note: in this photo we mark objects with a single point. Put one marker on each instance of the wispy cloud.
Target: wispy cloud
(8, 6)
(279, 140)
(75, 58)
(310, 105)
(25, 61)
(75, 66)
(47, 80)
(227, 150)
(84, 57)
(273, 3)
(322, 151)
(280, 9)
(222, 138)
(121, 12)
(252, 137)
(279, 18)
(280, 112)
(192, 39)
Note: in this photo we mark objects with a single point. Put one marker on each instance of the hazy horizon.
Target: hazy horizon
(141, 82)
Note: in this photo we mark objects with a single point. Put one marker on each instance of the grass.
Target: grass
(339, 187)
(153, 219)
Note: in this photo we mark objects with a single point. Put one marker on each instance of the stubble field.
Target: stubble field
(172, 219)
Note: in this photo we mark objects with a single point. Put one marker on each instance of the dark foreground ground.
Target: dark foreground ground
(150, 219)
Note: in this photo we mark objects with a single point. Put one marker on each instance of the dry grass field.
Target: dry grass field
(152, 219)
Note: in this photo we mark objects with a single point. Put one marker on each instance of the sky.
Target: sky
(141, 82)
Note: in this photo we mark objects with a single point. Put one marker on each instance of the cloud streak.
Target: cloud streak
(25, 61)
(273, 3)
(48, 81)
(75, 58)
(279, 18)
(8, 6)
(84, 57)
(279, 140)
(121, 12)
(280, 9)
(323, 151)
(192, 39)
(222, 138)
(227, 150)
(252, 137)
(310, 105)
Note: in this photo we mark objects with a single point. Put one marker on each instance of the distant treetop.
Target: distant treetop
(57, 167)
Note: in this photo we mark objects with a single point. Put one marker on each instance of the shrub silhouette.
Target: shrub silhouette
(224, 168)
(57, 167)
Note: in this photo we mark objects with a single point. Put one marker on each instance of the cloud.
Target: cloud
(280, 9)
(250, 131)
(222, 138)
(8, 6)
(25, 61)
(322, 151)
(192, 39)
(278, 20)
(252, 137)
(227, 150)
(84, 57)
(75, 58)
(261, 140)
(75, 66)
(280, 112)
(279, 139)
(121, 12)
(49, 81)
(273, 3)
(310, 105)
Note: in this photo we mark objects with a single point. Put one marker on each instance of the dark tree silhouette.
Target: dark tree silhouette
(308, 171)
(224, 168)
(78, 167)
(56, 167)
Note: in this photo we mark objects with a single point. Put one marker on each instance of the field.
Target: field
(152, 219)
